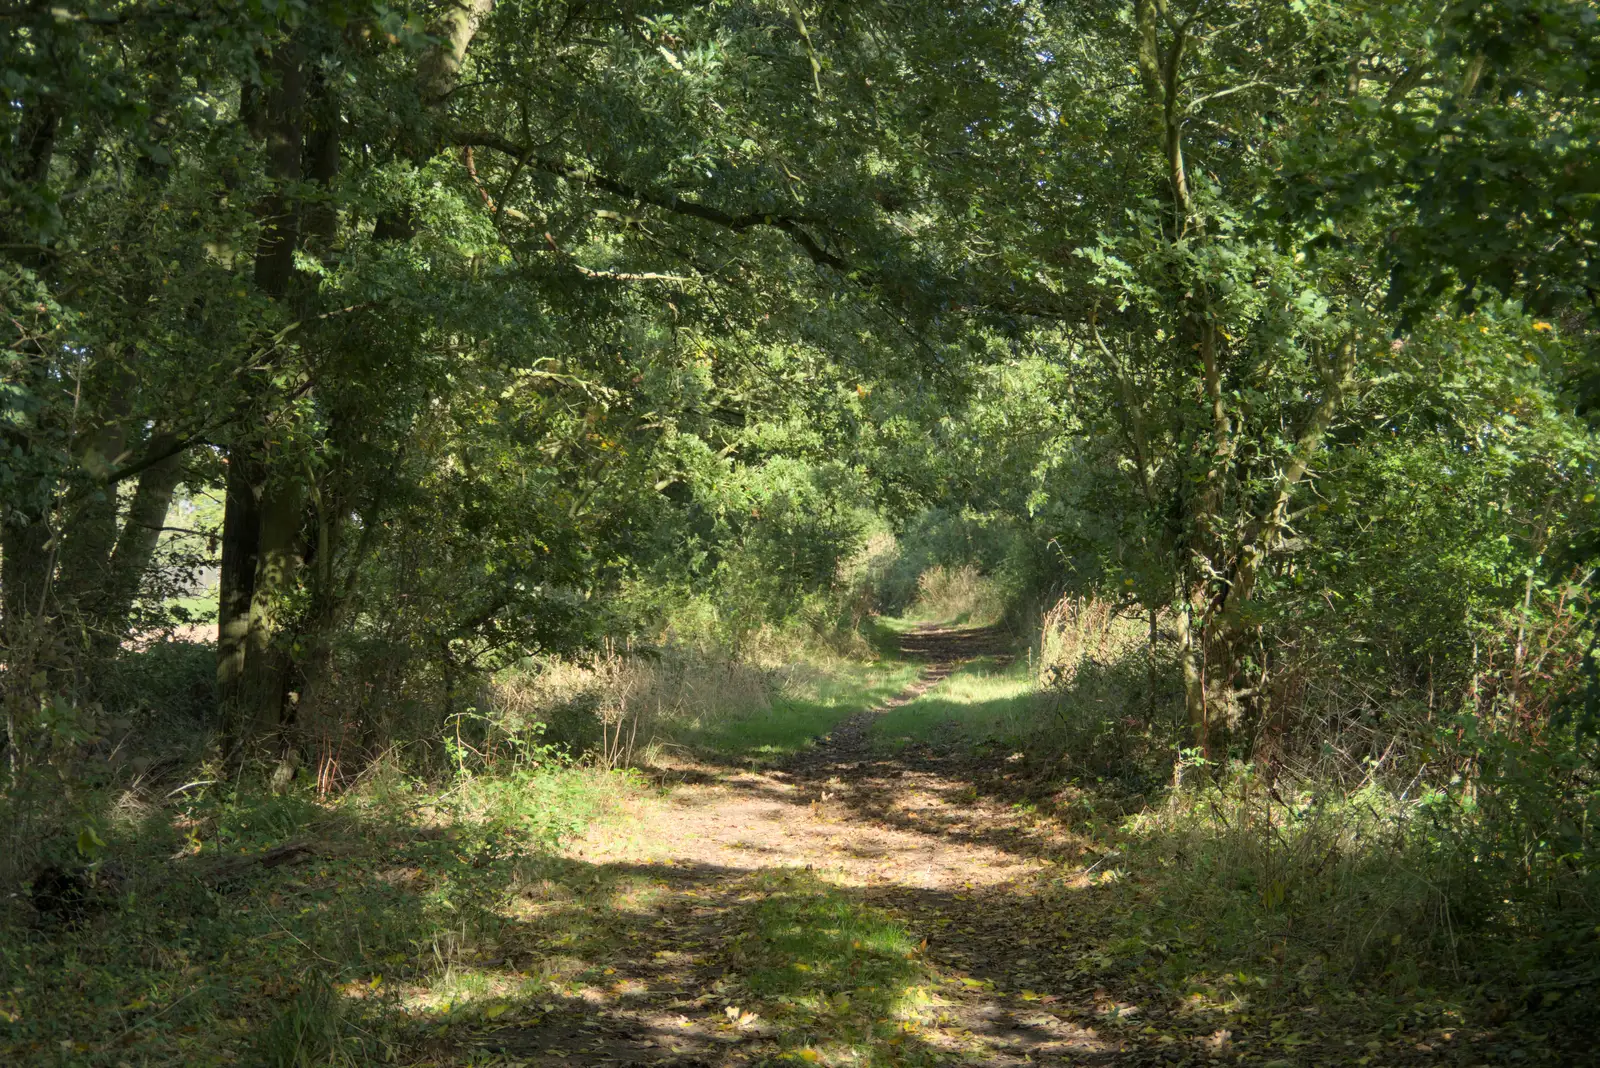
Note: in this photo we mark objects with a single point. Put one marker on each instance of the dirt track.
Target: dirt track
(898, 835)
(1016, 955)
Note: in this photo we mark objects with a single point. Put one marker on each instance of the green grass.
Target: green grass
(795, 720)
(197, 608)
(402, 894)
(835, 975)
(896, 625)
(979, 701)
(883, 634)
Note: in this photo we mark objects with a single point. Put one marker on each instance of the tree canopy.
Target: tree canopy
(495, 327)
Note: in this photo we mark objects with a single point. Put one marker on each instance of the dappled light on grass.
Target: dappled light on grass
(657, 960)
(422, 924)
(851, 907)
(832, 970)
(201, 955)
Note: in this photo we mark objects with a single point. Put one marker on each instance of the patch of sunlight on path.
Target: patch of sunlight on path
(754, 821)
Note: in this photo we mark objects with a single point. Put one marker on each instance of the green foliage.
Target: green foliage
(498, 334)
(1521, 841)
(167, 686)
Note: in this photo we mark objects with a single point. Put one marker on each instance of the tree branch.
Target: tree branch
(1261, 538)
(1194, 105)
(166, 451)
(796, 228)
(632, 276)
(666, 202)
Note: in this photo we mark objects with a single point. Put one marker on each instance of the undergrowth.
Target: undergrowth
(193, 946)
(960, 595)
(1465, 900)
(214, 920)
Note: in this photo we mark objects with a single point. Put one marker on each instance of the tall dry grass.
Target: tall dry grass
(1364, 833)
(1107, 701)
(621, 708)
(958, 595)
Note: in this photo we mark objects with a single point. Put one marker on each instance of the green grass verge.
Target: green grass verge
(189, 953)
(980, 701)
(796, 720)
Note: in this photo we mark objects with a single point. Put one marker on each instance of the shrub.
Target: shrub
(1284, 886)
(172, 682)
(1110, 704)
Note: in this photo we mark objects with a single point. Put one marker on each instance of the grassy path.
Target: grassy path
(846, 907)
(878, 897)
(873, 900)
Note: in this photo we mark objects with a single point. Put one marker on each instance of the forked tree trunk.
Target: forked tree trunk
(297, 121)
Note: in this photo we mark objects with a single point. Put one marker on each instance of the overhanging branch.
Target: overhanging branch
(799, 230)
(672, 203)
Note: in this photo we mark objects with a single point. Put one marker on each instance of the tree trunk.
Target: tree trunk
(266, 662)
(438, 72)
(1161, 75)
(26, 575)
(1228, 629)
(1152, 666)
(27, 549)
(136, 545)
(241, 541)
(322, 161)
(279, 125)
(25, 567)
(89, 533)
(1191, 656)
(243, 679)
(440, 67)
